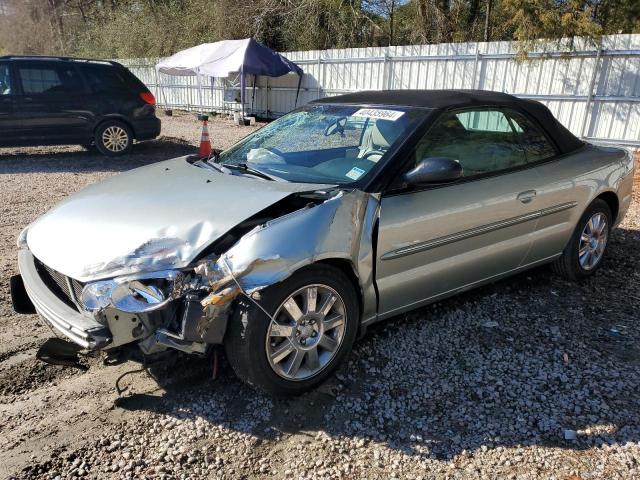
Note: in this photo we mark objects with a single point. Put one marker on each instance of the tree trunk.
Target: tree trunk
(486, 22)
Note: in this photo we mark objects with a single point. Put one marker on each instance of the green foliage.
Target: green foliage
(148, 28)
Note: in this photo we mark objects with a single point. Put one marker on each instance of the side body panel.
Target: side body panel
(439, 240)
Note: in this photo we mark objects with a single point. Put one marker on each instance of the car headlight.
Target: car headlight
(132, 295)
(22, 238)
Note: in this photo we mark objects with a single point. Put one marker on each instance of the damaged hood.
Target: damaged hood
(152, 218)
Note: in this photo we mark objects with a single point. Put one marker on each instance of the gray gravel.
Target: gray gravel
(532, 377)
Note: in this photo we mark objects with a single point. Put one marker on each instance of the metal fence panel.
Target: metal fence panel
(594, 90)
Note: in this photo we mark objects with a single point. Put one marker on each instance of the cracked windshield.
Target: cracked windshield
(334, 144)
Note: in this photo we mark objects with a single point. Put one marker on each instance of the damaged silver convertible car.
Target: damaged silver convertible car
(347, 211)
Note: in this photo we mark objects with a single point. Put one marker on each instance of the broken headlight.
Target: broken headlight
(128, 294)
(22, 238)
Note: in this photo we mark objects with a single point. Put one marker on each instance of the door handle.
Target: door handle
(527, 196)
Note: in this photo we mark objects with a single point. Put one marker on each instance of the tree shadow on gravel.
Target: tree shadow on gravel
(525, 361)
(77, 160)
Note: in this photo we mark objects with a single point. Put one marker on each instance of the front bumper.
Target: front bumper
(81, 329)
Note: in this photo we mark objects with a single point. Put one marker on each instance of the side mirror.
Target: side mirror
(434, 170)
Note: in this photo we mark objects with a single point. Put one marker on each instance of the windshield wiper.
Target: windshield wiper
(253, 171)
(218, 167)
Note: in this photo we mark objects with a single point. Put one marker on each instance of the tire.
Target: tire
(113, 138)
(569, 265)
(251, 340)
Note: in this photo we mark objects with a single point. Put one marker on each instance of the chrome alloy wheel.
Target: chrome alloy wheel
(593, 241)
(306, 332)
(115, 139)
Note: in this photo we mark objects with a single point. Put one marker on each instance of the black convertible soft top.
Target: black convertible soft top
(448, 99)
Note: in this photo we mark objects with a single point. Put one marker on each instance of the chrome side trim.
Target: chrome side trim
(472, 232)
(459, 290)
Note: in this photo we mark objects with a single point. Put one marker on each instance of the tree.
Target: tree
(147, 28)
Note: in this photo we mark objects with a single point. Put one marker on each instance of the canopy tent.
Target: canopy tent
(220, 59)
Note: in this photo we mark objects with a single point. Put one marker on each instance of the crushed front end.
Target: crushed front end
(185, 310)
(151, 310)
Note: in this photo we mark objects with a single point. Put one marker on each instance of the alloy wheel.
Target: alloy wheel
(593, 241)
(115, 138)
(306, 332)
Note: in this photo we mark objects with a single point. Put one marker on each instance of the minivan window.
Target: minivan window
(48, 79)
(5, 79)
(103, 79)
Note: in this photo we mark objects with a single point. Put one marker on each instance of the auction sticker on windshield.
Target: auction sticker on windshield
(382, 114)
(355, 173)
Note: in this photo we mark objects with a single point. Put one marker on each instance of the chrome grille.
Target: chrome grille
(58, 284)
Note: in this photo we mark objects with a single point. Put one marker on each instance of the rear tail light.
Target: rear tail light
(148, 98)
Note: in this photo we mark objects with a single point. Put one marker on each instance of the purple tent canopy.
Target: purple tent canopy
(220, 59)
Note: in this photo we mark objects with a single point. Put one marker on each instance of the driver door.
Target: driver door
(441, 239)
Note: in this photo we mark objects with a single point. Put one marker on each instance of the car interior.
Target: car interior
(377, 138)
(480, 149)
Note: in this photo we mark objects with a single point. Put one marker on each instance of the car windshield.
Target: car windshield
(336, 144)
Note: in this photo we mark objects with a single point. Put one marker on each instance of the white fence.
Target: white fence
(593, 90)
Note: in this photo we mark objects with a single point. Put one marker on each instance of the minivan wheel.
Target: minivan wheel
(314, 322)
(586, 249)
(113, 138)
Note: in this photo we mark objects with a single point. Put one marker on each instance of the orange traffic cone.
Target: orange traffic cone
(205, 145)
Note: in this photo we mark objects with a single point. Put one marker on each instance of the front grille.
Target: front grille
(57, 283)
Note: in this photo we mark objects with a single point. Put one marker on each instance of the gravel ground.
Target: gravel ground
(531, 377)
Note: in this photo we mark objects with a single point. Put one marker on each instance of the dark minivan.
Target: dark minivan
(63, 101)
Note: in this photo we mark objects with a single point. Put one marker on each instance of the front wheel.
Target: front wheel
(312, 324)
(113, 138)
(584, 253)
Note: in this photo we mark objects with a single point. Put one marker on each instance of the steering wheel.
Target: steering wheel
(371, 153)
(336, 127)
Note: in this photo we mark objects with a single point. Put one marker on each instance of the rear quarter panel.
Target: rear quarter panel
(579, 178)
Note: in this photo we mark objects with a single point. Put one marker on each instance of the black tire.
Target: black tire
(568, 265)
(246, 338)
(115, 147)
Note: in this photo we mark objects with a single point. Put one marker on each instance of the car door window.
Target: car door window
(36, 79)
(484, 141)
(535, 144)
(5, 79)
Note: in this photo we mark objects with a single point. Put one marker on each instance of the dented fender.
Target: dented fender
(339, 228)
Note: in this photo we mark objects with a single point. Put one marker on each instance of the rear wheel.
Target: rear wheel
(587, 247)
(314, 322)
(113, 138)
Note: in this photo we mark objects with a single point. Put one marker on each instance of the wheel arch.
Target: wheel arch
(346, 267)
(117, 118)
(611, 199)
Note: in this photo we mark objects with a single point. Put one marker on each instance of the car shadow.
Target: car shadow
(530, 360)
(77, 160)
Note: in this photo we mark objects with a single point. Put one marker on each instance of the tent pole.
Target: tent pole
(160, 89)
(213, 90)
(298, 91)
(242, 92)
(200, 106)
(253, 94)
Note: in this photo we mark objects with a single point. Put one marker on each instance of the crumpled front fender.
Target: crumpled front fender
(339, 228)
